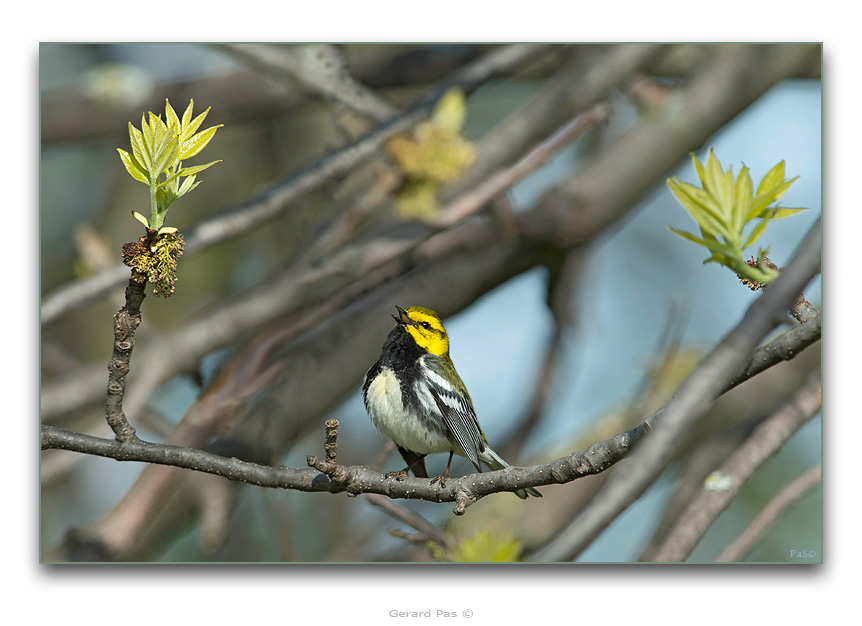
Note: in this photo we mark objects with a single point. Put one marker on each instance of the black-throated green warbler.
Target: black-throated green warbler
(416, 398)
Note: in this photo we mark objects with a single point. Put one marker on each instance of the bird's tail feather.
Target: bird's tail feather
(495, 462)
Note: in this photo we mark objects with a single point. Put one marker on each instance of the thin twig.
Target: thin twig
(427, 530)
(320, 67)
(330, 447)
(802, 310)
(767, 439)
(783, 348)
(126, 321)
(586, 203)
(691, 401)
(289, 291)
(585, 80)
(504, 179)
(703, 458)
(251, 214)
(770, 514)
(334, 478)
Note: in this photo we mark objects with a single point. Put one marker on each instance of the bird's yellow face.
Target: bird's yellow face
(425, 327)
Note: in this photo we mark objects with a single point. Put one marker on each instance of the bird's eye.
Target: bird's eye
(425, 325)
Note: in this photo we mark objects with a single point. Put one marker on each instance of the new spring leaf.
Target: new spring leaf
(158, 151)
(730, 215)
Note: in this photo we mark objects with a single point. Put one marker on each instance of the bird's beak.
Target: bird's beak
(403, 319)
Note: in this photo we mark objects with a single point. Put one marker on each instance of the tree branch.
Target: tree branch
(183, 347)
(470, 202)
(249, 215)
(770, 514)
(767, 439)
(126, 321)
(425, 529)
(321, 68)
(582, 206)
(691, 401)
(333, 478)
(608, 205)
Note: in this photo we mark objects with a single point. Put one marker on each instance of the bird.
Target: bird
(416, 398)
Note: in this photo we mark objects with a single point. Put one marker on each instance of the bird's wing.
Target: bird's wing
(453, 401)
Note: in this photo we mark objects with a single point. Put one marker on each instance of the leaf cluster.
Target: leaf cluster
(158, 151)
(725, 208)
(435, 154)
(485, 546)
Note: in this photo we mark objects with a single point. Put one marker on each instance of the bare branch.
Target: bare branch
(585, 215)
(782, 348)
(427, 531)
(582, 83)
(691, 401)
(183, 347)
(703, 457)
(126, 321)
(686, 119)
(320, 67)
(498, 182)
(764, 442)
(330, 447)
(582, 206)
(334, 478)
(770, 514)
(249, 215)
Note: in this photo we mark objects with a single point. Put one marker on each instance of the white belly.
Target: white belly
(397, 422)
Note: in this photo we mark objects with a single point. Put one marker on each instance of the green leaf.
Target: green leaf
(451, 110)
(196, 169)
(140, 150)
(171, 177)
(742, 201)
(687, 235)
(758, 273)
(726, 205)
(779, 212)
(718, 249)
(773, 178)
(487, 546)
(167, 230)
(187, 114)
(172, 119)
(143, 220)
(197, 143)
(165, 198)
(131, 168)
(147, 143)
(165, 146)
(720, 186)
(188, 185)
(191, 127)
(721, 259)
(765, 198)
(156, 151)
(701, 206)
(701, 173)
(757, 232)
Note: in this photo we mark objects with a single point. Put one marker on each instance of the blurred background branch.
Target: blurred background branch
(723, 484)
(294, 250)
